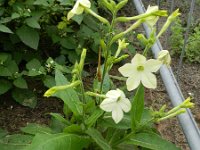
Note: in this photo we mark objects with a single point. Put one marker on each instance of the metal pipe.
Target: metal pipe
(186, 120)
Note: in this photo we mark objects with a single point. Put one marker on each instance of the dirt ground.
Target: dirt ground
(13, 116)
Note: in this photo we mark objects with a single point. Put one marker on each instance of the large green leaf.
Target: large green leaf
(35, 68)
(5, 85)
(28, 36)
(60, 118)
(20, 83)
(68, 42)
(93, 118)
(69, 96)
(151, 141)
(98, 138)
(32, 22)
(25, 97)
(5, 29)
(137, 107)
(58, 142)
(33, 128)
(15, 142)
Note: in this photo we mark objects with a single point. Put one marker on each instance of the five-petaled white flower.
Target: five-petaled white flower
(116, 102)
(78, 8)
(151, 20)
(164, 57)
(140, 70)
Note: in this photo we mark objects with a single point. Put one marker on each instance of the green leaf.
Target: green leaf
(49, 81)
(58, 142)
(108, 122)
(93, 118)
(69, 96)
(33, 64)
(28, 36)
(25, 97)
(5, 29)
(5, 71)
(78, 18)
(137, 107)
(15, 142)
(151, 141)
(98, 138)
(33, 128)
(74, 129)
(60, 118)
(66, 2)
(20, 83)
(5, 85)
(32, 22)
(4, 57)
(35, 68)
(68, 42)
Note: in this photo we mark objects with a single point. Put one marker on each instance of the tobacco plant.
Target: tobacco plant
(104, 116)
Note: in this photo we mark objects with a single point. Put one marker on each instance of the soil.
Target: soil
(13, 115)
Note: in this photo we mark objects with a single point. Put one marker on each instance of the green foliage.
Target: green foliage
(151, 141)
(192, 51)
(60, 141)
(31, 31)
(176, 39)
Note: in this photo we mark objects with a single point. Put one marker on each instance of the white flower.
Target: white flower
(116, 102)
(140, 70)
(164, 57)
(151, 20)
(78, 8)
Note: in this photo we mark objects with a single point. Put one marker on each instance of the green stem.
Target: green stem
(118, 78)
(141, 16)
(107, 52)
(116, 37)
(95, 94)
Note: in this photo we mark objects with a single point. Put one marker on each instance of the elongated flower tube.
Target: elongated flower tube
(78, 8)
(139, 71)
(117, 103)
(151, 20)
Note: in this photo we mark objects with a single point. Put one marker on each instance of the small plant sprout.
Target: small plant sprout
(116, 102)
(78, 8)
(140, 70)
(164, 57)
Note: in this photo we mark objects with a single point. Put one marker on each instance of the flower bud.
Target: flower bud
(122, 44)
(187, 103)
(170, 19)
(164, 57)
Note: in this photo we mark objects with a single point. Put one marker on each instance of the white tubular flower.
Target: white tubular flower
(164, 57)
(151, 20)
(78, 8)
(116, 102)
(140, 70)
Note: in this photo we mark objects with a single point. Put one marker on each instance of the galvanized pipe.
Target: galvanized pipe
(186, 120)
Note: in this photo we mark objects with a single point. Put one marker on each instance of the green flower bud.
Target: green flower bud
(121, 4)
(55, 89)
(170, 19)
